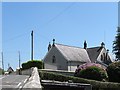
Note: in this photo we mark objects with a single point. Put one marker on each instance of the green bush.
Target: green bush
(113, 71)
(1, 71)
(93, 72)
(96, 85)
(32, 63)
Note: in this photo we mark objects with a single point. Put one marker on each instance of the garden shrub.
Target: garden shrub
(113, 71)
(32, 63)
(1, 71)
(96, 85)
(91, 71)
(94, 73)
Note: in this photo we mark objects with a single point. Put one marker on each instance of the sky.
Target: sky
(69, 23)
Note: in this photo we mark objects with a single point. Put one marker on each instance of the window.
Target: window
(104, 56)
(101, 57)
(53, 59)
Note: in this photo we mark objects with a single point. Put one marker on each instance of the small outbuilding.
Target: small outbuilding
(10, 70)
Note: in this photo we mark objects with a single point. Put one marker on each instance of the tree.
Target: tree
(34, 63)
(116, 44)
(113, 71)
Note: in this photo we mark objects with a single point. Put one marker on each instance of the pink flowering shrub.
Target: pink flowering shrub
(86, 65)
(91, 71)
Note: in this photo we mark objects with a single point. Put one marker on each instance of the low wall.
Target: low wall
(68, 73)
(34, 81)
(56, 85)
(26, 72)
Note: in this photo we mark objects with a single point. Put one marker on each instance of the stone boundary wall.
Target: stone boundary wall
(26, 72)
(34, 81)
(68, 73)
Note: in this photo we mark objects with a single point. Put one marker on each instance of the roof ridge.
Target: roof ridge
(68, 45)
(94, 47)
(78, 47)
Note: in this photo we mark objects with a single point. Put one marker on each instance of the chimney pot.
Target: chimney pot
(49, 46)
(85, 44)
(53, 42)
(102, 44)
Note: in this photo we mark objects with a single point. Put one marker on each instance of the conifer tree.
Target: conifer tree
(116, 45)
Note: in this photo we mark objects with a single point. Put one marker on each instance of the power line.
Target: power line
(60, 13)
(44, 37)
(52, 19)
(16, 37)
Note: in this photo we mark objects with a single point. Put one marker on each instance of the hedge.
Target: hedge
(92, 72)
(32, 63)
(113, 71)
(96, 85)
(1, 72)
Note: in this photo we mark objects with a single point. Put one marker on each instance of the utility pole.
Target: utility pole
(19, 58)
(32, 45)
(8, 65)
(19, 61)
(2, 61)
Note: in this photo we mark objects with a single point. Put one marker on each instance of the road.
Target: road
(13, 81)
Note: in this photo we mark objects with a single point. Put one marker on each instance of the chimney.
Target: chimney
(102, 44)
(107, 57)
(49, 46)
(85, 44)
(53, 42)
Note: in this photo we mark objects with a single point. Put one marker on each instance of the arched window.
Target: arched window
(104, 56)
(101, 57)
(53, 59)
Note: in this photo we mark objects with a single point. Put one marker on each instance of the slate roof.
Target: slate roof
(94, 52)
(10, 69)
(72, 53)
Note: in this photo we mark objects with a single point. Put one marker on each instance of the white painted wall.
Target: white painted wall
(48, 66)
(72, 66)
(61, 62)
(26, 72)
(101, 53)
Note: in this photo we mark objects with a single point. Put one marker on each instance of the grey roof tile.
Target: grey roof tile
(93, 53)
(72, 53)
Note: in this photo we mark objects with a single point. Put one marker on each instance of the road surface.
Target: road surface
(13, 82)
